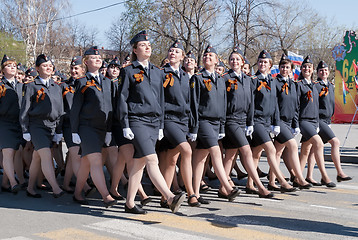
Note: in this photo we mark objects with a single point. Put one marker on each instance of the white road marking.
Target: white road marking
(319, 206)
(138, 230)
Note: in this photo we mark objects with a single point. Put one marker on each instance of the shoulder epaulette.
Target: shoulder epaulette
(115, 80)
(299, 80)
(254, 77)
(59, 83)
(157, 67)
(225, 73)
(128, 65)
(197, 74)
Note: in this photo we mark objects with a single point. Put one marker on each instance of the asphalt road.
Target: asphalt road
(319, 213)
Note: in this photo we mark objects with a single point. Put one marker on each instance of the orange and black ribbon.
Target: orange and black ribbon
(230, 83)
(68, 90)
(90, 84)
(324, 92)
(139, 76)
(40, 93)
(309, 95)
(208, 84)
(263, 84)
(168, 80)
(2, 90)
(285, 88)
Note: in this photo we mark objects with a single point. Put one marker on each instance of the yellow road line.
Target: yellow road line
(205, 227)
(72, 233)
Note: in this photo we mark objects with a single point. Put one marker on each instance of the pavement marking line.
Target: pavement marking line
(206, 227)
(16, 238)
(127, 228)
(72, 233)
(319, 206)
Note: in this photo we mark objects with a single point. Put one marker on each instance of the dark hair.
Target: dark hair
(286, 61)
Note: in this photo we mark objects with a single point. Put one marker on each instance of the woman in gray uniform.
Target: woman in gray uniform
(10, 129)
(209, 93)
(41, 110)
(141, 113)
(90, 117)
(308, 117)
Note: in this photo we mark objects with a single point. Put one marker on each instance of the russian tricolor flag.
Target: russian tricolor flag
(275, 70)
(345, 91)
(296, 73)
(295, 58)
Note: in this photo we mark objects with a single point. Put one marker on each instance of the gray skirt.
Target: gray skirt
(10, 135)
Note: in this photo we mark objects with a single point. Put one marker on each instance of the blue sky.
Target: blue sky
(344, 12)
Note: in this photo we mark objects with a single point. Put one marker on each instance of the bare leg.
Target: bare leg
(48, 169)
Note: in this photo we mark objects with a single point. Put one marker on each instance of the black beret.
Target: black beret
(142, 36)
(42, 58)
(264, 54)
(247, 61)
(177, 44)
(92, 51)
(77, 60)
(21, 67)
(127, 58)
(238, 51)
(115, 62)
(284, 57)
(31, 72)
(104, 64)
(210, 49)
(307, 60)
(190, 54)
(4, 59)
(322, 64)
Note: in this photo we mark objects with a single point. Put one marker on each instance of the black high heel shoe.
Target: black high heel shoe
(329, 184)
(317, 184)
(270, 195)
(341, 179)
(284, 190)
(273, 188)
(110, 203)
(307, 186)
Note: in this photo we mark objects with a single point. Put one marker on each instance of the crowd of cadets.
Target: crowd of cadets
(134, 115)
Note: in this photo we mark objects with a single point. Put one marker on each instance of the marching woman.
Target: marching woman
(239, 116)
(114, 163)
(308, 117)
(90, 117)
(125, 146)
(326, 110)
(190, 65)
(284, 141)
(176, 121)
(267, 118)
(11, 135)
(209, 94)
(41, 110)
(141, 113)
(68, 89)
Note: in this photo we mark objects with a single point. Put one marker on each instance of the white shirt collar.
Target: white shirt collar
(44, 81)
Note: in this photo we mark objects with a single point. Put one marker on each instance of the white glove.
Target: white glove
(221, 136)
(295, 131)
(329, 125)
(249, 130)
(108, 138)
(317, 130)
(27, 137)
(57, 138)
(161, 134)
(76, 138)
(127, 133)
(192, 136)
(275, 130)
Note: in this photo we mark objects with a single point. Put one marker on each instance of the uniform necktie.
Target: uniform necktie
(177, 73)
(13, 84)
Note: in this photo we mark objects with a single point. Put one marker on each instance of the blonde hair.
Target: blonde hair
(7, 63)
